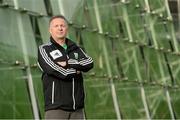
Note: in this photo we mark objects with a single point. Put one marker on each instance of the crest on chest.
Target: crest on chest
(76, 55)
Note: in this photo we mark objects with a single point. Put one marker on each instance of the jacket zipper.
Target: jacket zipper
(52, 93)
(74, 102)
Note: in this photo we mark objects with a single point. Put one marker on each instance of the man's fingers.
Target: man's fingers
(62, 63)
(78, 72)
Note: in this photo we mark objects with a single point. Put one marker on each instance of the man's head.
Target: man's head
(58, 27)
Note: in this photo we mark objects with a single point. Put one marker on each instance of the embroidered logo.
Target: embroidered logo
(55, 54)
(76, 55)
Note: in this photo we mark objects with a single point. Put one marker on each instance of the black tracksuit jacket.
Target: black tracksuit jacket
(63, 87)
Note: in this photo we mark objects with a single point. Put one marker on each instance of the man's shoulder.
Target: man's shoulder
(45, 45)
(70, 41)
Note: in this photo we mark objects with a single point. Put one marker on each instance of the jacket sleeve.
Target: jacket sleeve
(85, 63)
(47, 65)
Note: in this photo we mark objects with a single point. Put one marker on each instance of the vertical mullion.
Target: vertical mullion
(175, 43)
(126, 20)
(143, 95)
(114, 95)
(26, 60)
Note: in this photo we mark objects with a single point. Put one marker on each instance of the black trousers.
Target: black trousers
(61, 114)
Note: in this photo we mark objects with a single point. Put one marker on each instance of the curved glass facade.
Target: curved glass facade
(134, 44)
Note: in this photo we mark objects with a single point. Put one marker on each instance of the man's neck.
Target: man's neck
(60, 41)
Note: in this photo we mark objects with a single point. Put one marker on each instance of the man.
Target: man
(62, 63)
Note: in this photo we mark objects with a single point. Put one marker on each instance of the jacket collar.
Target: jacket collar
(70, 44)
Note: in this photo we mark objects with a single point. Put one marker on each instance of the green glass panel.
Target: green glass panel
(157, 101)
(131, 60)
(175, 102)
(112, 48)
(30, 5)
(22, 99)
(87, 15)
(18, 45)
(38, 88)
(6, 110)
(10, 44)
(14, 93)
(92, 44)
(12, 38)
(130, 102)
(72, 34)
(174, 64)
(163, 36)
(43, 24)
(63, 7)
(105, 10)
(158, 6)
(29, 40)
(157, 67)
(99, 104)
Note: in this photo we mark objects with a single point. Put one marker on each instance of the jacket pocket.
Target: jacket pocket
(52, 94)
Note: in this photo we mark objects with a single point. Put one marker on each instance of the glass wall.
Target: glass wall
(134, 44)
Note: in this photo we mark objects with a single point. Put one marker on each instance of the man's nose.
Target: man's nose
(60, 28)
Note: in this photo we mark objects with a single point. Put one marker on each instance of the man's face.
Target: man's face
(58, 28)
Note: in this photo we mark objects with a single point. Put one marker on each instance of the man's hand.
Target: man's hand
(78, 72)
(63, 63)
